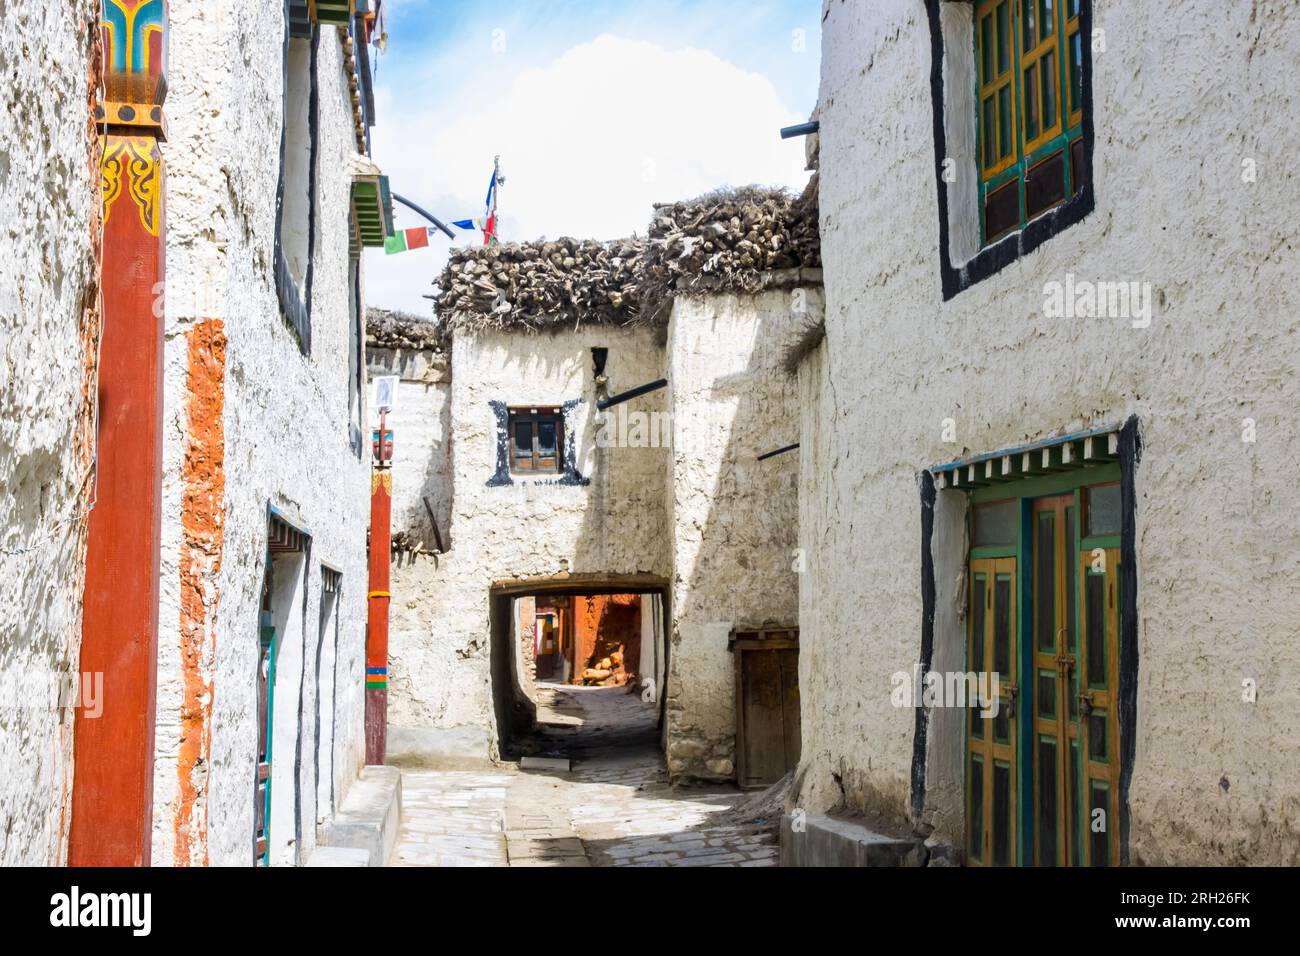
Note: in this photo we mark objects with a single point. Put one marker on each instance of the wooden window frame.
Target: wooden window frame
(1027, 152)
(535, 463)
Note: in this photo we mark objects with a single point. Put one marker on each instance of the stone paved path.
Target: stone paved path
(614, 808)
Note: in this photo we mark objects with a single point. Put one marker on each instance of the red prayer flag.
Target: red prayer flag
(417, 237)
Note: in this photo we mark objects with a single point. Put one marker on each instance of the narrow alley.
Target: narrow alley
(614, 807)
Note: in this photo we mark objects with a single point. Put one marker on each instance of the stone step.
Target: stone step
(819, 840)
(338, 856)
(370, 817)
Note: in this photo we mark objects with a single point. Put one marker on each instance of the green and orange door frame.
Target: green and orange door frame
(112, 791)
(381, 510)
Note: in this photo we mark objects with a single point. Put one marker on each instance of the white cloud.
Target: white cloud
(587, 145)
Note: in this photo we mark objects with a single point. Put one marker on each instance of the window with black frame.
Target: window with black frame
(296, 198)
(536, 439)
(1030, 79)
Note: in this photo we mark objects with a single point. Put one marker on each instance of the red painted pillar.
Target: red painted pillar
(112, 790)
(381, 510)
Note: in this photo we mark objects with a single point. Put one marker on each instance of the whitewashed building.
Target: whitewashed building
(661, 495)
(184, 463)
(1048, 429)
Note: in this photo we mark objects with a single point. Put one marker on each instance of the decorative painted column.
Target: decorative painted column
(381, 510)
(112, 792)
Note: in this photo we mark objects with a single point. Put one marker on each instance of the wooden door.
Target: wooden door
(1055, 740)
(767, 711)
(265, 703)
(991, 765)
(1098, 718)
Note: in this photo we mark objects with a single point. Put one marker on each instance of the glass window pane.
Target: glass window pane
(1094, 606)
(1074, 804)
(1103, 510)
(1002, 627)
(546, 439)
(1004, 39)
(1097, 735)
(1004, 122)
(987, 43)
(1027, 23)
(995, 523)
(1031, 103)
(1046, 19)
(1076, 72)
(1001, 813)
(1048, 74)
(1099, 823)
(1046, 693)
(990, 140)
(524, 438)
(979, 596)
(976, 808)
(1045, 582)
(1071, 582)
(1047, 801)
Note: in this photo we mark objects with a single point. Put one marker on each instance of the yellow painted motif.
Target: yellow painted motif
(135, 160)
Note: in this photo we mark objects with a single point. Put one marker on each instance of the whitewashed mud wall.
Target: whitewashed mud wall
(49, 198)
(282, 441)
(734, 518)
(421, 424)
(440, 698)
(1218, 542)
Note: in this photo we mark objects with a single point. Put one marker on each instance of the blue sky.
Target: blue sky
(598, 110)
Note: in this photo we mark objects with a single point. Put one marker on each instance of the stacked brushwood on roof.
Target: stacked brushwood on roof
(732, 240)
(736, 240)
(541, 284)
(388, 329)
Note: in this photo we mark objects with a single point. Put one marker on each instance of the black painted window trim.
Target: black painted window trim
(296, 308)
(570, 476)
(355, 433)
(994, 258)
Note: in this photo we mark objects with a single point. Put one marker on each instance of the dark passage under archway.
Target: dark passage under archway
(578, 664)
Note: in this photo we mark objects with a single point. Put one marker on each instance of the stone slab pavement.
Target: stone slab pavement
(614, 808)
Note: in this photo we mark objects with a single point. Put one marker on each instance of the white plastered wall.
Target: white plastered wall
(285, 417)
(48, 192)
(1218, 546)
(734, 518)
(440, 698)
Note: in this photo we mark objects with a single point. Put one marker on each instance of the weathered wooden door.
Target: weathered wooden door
(767, 711)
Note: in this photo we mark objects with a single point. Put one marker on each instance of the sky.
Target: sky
(598, 109)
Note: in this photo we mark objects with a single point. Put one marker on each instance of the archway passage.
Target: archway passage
(578, 670)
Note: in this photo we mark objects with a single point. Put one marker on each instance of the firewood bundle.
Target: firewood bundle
(729, 241)
(386, 329)
(734, 240)
(608, 671)
(541, 284)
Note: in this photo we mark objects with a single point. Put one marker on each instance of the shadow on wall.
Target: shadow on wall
(736, 518)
